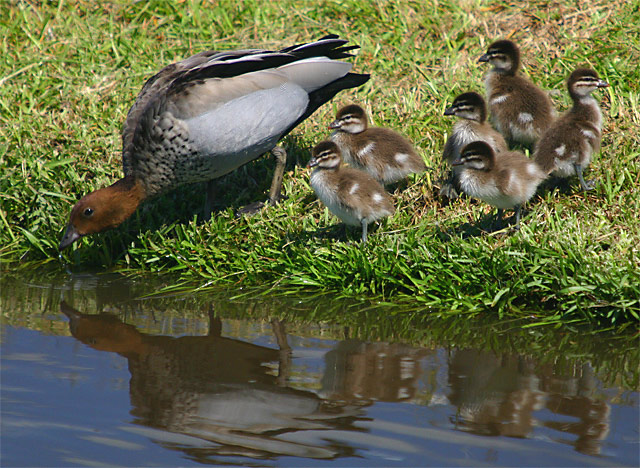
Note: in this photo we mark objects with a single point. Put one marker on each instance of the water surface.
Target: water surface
(94, 374)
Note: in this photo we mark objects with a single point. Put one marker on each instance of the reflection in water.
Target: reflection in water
(499, 395)
(217, 389)
(591, 424)
(357, 371)
(226, 391)
(309, 398)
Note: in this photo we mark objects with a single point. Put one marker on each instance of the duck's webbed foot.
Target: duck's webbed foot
(586, 185)
(449, 190)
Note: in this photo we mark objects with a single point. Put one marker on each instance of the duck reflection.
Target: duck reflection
(218, 389)
(359, 371)
(498, 395)
(494, 395)
(572, 396)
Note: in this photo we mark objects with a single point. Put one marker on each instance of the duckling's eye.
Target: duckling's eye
(88, 212)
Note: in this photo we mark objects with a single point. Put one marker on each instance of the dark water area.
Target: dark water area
(96, 372)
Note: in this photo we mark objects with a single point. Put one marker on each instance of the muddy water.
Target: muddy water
(94, 374)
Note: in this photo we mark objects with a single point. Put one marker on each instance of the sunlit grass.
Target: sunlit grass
(69, 71)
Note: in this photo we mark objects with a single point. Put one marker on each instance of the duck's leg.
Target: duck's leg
(284, 364)
(448, 189)
(518, 209)
(364, 230)
(210, 197)
(586, 186)
(496, 223)
(275, 193)
(215, 324)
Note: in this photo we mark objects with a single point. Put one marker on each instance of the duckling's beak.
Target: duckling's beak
(602, 84)
(450, 111)
(70, 236)
(484, 58)
(457, 162)
(335, 124)
(313, 162)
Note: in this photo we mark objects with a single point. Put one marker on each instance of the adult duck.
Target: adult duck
(203, 117)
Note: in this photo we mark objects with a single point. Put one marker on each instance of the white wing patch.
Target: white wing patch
(368, 148)
(532, 169)
(525, 117)
(499, 99)
(401, 157)
(354, 188)
(588, 133)
(513, 179)
(377, 197)
(563, 168)
(561, 149)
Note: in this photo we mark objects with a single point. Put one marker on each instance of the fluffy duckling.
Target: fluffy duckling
(383, 153)
(505, 180)
(519, 109)
(472, 126)
(567, 147)
(201, 118)
(352, 195)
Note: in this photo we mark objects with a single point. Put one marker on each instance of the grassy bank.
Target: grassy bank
(69, 71)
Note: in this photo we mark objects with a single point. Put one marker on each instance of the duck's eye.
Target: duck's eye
(88, 212)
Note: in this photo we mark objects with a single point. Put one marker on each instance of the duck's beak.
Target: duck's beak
(70, 236)
(484, 58)
(313, 162)
(602, 84)
(335, 124)
(457, 162)
(450, 111)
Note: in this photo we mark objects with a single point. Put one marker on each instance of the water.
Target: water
(93, 374)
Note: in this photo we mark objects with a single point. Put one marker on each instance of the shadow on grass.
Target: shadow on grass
(338, 232)
(565, 186)
(488, 224)
(247, 185)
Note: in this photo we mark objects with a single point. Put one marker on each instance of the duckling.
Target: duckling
(519, 109)
(472, 126)
(505, 180)
(352, 195)
(567, 146)
(205, 116)
(383, 153)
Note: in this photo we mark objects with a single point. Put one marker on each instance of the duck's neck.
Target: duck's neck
(123, 198)
(588, 109)
(506, 67)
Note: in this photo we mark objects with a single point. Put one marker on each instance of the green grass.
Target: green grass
(69, 71)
